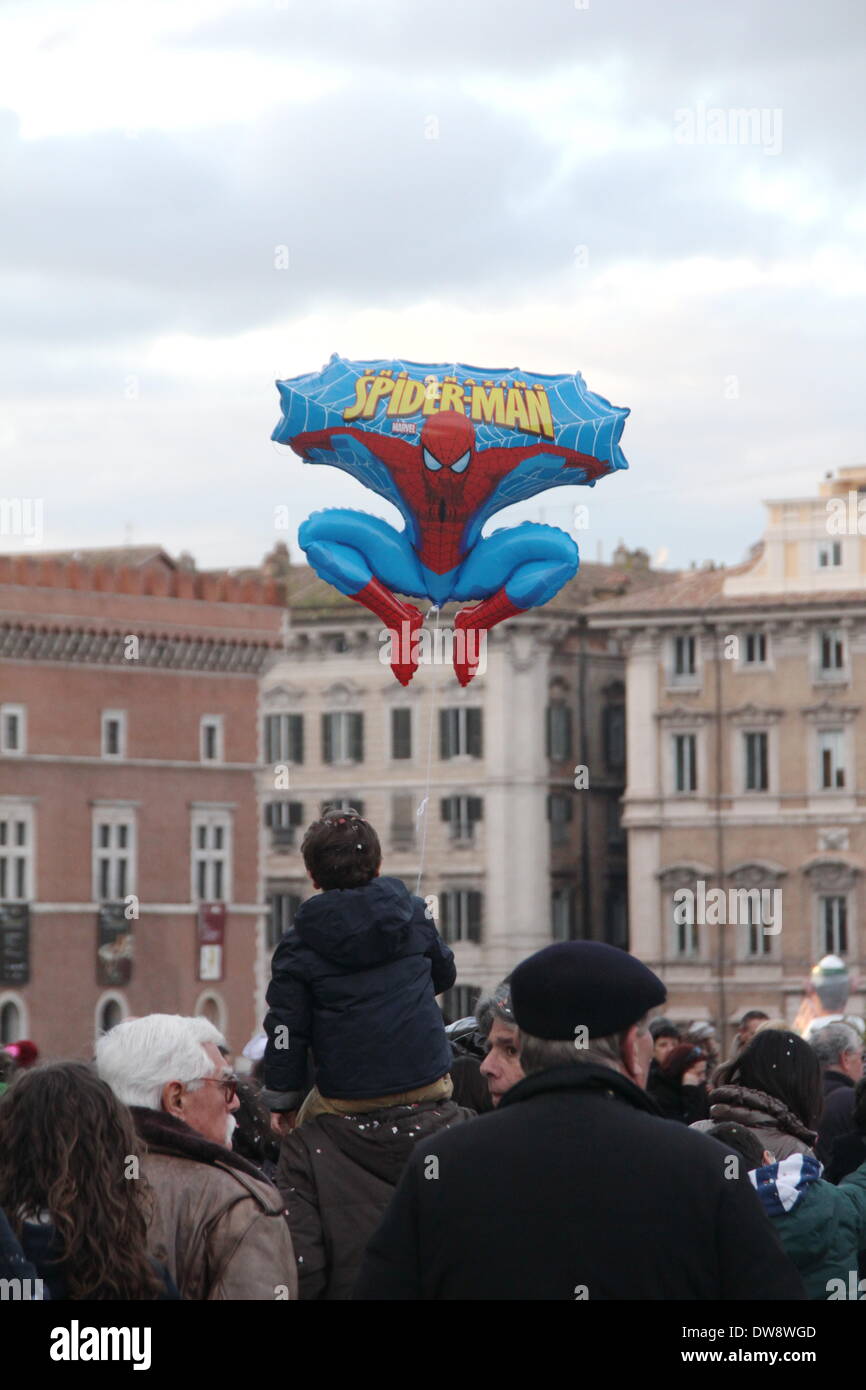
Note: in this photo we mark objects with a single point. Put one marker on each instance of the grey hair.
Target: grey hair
(831, 1042)
(496, 1005)
(539, 1054)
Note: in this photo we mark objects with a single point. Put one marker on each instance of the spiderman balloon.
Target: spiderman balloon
(449, 446)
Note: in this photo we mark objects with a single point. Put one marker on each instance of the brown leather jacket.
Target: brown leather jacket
(218, 1226)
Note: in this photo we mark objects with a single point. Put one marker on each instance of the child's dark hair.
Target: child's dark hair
(741, 1140)
(341, 850)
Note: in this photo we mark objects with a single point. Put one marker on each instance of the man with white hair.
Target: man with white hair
(217, 1225)
(839, 1051)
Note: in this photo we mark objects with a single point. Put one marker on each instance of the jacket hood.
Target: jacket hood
(358, 927)
(757, 1110)
(782, 1186)
(381, 1141)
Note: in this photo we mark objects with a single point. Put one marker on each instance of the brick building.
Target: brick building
(129, 873)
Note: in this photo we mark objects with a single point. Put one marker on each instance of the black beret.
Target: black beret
(589, 984)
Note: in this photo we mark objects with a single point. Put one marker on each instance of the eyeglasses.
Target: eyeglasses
(229, 1085)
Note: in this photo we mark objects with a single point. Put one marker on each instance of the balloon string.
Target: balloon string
(422, 811)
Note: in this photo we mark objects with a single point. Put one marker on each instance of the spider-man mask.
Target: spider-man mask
(447, 446)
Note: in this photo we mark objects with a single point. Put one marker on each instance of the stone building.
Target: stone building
(500, 800)
(747, 761)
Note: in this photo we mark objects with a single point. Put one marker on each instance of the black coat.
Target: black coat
(837, 1115)
(337, 1174)
(676, 1101)
(356, 980)
(573, 1189)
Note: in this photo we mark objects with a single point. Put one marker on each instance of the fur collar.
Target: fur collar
(755, 1109)
(165, 1133)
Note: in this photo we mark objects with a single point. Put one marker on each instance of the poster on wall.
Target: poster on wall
(14, 943)
(114, 946)
(211, 940)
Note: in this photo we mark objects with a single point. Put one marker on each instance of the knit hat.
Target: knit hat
(589, 984)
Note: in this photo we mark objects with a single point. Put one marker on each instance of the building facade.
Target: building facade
(745, 805)
(129, 877)
(499, 802)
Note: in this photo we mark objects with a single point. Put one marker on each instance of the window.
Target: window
(559, 812)
(755, 748)
(616, 916)
(613, 735)
(283, 818)
(460, 1002)
(754, 649)
(562, 914)
(113, 855)
(284, 738)
(461, 813)
(684, 659)
(403, 821)
(460, 914)
(558, 733)
(282, 908)
(343, 803)
(833, 919)
(615, 832)
(13, 729)
(829, 555)
(16, 854)
(110, 1014)
(114, 733)
(211, 738)
(831, 650)
(211, 856)
(401, 733)
(342, 737)
(10, 1022)
(686, 935)
(831, 759)
(758, 942)
(685, 762)
(460, 733)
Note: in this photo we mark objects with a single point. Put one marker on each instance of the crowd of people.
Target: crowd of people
(567, 1142)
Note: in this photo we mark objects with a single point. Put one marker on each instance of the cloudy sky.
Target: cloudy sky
(201, 196)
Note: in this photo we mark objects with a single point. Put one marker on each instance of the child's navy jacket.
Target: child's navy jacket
(355, 980)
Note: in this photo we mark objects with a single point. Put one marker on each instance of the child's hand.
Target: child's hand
(283, 1121)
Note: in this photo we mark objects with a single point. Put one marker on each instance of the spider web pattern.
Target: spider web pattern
(582, 420)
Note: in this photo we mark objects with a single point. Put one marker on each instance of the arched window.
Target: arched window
(10, 1022)
(110, 1010)
(210, 1006)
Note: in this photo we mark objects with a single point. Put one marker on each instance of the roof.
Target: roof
(310, 597)
(703, 591)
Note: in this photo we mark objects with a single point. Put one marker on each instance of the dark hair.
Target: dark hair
(663, 1028)
(780, 1064)
(741, 1140)
(341, 850)
(750, 1014)
(681, 1059)
(65, 1143)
